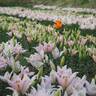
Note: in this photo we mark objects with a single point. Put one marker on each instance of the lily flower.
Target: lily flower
(79, 93)
(56, 53)
(18, 49)
(58, 24)
(70, 42)
(15, 65)
(46, 82)
(36, 59)
(82, 41)
(19, 83)
(26, 71)
(44, 89)
(65, 76)
(46, 47)
(77, 85)
(91, 88)
(8, 48)
(12, 47)
(14, 31)
(39, 48)
(60, 38)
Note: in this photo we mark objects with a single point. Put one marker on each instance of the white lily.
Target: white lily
(15, 65)
(12, 47)
(36, 59)
(56, 53)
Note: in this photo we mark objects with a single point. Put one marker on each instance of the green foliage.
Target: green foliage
(64, 3)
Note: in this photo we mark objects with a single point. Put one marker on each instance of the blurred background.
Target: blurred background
(64, 3)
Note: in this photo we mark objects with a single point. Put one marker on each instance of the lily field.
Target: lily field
(47, 51)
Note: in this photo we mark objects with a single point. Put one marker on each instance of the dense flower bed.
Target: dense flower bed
(85, 22)
(42, 58)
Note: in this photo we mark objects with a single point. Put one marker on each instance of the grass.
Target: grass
(64, 3)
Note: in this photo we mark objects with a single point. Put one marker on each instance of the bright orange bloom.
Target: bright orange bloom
(58, 24)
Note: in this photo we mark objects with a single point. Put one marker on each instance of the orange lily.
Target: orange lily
(58, 24)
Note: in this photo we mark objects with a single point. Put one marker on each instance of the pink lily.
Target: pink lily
(65, 76)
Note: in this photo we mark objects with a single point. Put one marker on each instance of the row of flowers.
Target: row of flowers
(85, 22)
(86, 10)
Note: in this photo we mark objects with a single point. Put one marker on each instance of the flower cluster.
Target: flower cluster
(60, 81)
(10, 53)
(44, 52)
